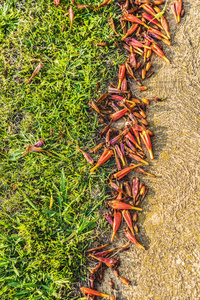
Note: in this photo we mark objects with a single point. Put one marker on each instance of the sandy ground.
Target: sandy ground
(170, 268)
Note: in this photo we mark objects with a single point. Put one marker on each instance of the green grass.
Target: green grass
(48, 221)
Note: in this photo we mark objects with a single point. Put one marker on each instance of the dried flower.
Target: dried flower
(56, 2)
(116, 273)
(37, 69)
(135, 187)
(130, 31)
(149, 9)
(105, 2)
(87, 156)
(34, 149)
(117, 160)
(104, 157)
(159, 52)
(151, 19)
(86, 290)
(119, 175)
(132, 238)
(105, 252)
(130, 137)
(147, 142)
(117, 188)
(40, 143)
(117, 115)
(116, 224)
(122, 70)
(127, 217)
(110, 262)
(121, 205)
(112, 25)
(128, 188)
(108, 218)
(178, 5)
(96, 148)
(97, 248)
(125, 281)
(133, 19)
(135, 217)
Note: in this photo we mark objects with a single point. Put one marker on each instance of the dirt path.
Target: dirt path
(170, 268)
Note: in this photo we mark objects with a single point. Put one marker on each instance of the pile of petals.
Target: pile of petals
(130, 146)
(143, 24)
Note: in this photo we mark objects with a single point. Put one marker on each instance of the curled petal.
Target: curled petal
(124, 280)
(121, 205)
(96, 148)
(104, 157)
(34, 149)
(40, 143)
(159, 52)
(135, 187)
(165, 26)
(122, 70)
(131, 18)
(87, 156)
(132, 238)
(117, 222)
(151, 19)
(119, 114)
(110, 262)
(130, 31)
(108, 218)
(119, 175)
(97, 248)
(127, 217)
(149, 9)
(86, 290)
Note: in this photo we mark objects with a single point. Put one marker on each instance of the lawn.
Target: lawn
(49, 204)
